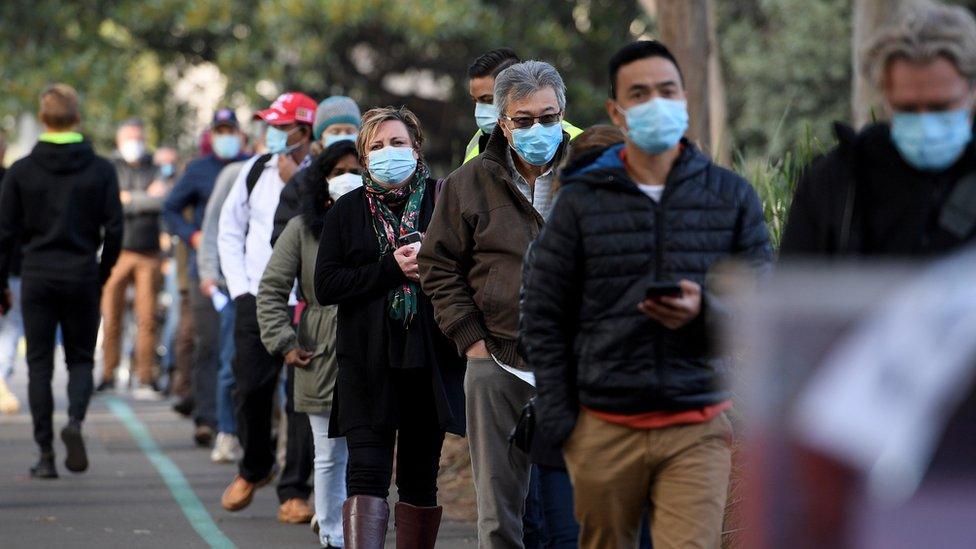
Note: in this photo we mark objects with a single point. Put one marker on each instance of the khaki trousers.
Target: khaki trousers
(143, 271)
(680, 473)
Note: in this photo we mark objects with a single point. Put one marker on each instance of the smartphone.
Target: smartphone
(411, 239)
(663, 289)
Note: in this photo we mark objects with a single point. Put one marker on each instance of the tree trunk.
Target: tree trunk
(686, 27)
(869, 16)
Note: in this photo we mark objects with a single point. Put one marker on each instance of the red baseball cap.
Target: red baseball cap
(289, 107)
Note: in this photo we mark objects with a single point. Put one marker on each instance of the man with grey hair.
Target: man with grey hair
(905, 187)
(489, 210)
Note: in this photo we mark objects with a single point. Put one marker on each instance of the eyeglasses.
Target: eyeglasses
(522, 122)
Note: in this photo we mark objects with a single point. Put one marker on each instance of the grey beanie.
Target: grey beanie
(337, 109)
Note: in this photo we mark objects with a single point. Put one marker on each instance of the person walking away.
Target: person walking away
(11, 324)
(227, 448)
(901, 188)
(489, 211)
(400, 380)
(62, 203)
(617, 317)
(142, 194)
(336, 119)
(244, 243)
(192, 191)
(310, 348)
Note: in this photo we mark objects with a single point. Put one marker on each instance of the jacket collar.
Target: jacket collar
(609, 167)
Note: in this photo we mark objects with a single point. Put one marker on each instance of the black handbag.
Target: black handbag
(521, 435)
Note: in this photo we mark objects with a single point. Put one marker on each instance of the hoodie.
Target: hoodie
(62, 201)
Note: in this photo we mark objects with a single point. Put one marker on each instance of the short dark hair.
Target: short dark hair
(493, 62)
(634, 51)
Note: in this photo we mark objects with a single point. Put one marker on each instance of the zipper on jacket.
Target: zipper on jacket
(658, 267)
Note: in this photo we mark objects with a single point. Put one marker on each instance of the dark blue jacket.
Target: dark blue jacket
(193, 189)
(604, 243)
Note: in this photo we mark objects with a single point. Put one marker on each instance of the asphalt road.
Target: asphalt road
(131, 495)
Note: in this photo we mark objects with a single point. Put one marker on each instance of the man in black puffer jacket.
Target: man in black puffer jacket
(629, 383)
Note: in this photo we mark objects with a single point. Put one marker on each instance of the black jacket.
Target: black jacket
(59, 200)
(350, 272)
(289, 204)
(604, 243)
(862, 198)
(142, 213)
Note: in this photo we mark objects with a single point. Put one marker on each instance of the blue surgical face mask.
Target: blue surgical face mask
(486, 115)
(166, 171)
(931, 141)
(277, 140)
(538, 144)
(392, 165)
(227, 146)
(331, 139)
(657, 125)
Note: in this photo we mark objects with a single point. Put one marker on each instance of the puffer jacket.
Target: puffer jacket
(605, 242)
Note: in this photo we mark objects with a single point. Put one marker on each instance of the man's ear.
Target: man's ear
(616, 117)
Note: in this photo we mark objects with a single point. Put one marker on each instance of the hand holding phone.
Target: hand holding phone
(663, 289)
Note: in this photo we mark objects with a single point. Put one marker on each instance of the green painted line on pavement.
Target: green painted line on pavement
(184, 495)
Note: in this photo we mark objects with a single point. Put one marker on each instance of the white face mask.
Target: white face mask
(341, 184)
(132, 150)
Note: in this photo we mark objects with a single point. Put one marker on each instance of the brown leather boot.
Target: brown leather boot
(364, 520)
(416, 527)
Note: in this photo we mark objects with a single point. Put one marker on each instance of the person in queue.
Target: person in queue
(400, 380)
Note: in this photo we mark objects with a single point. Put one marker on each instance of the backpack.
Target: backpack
(255, 172)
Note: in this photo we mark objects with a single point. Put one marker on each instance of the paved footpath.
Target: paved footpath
(148, 486)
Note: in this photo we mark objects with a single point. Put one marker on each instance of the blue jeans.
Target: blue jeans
(11, 330)
(226, 422)
(331, 457)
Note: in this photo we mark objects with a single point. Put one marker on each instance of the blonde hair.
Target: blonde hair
(374, 117)
(921, 33)
(59, 107)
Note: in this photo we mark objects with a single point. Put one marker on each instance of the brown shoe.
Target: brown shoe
(240, 493)
(295, 511)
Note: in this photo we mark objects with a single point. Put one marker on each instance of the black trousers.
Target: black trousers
(418, 441)
(206, 360)
(256, 372)
(74, 306)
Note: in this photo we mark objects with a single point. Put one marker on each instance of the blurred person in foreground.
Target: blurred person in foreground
(627, 380)
(310, 347)
(399, 379)
(905, 188)
(142, 192)
(62, 202)
(244, 244)
(192, 192)
(489, 210)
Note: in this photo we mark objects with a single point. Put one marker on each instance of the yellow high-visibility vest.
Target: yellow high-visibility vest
(473, 150)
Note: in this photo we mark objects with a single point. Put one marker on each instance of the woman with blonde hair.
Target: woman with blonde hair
(399, 378)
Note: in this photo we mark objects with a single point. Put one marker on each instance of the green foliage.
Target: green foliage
(784, 56)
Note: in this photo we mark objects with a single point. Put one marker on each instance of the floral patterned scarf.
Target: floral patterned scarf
(389, 227)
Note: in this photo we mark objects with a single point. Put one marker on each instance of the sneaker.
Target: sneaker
(226, 449)
(106, 386)
(184, 407)
(77, 459)
(203, 435)
(147, 392)
(44, 468)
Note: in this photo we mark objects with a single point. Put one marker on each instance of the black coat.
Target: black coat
(289, 203)
(605, 241)
(862, 198)
(62, 202)
(350, 272)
